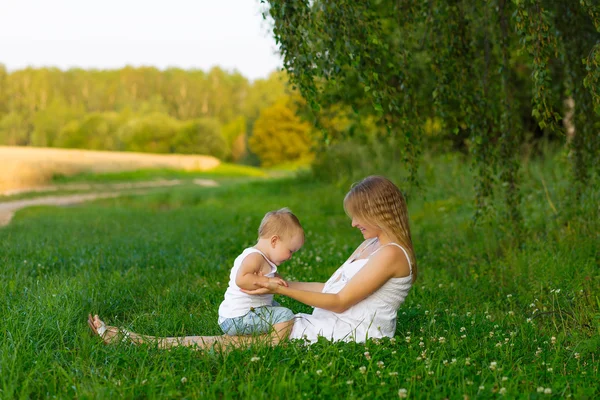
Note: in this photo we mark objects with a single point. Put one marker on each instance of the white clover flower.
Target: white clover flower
(394, 352)
(547, 391)
(511, 313)
(550, 370)
(468, 314)
(499, 344)
(502, 391)
(453, 361)
(367, 355)
(577, 355)
(442, 339)
(319, 371)
(504, 378)
(445, 362)
(255, 359)
(184, 380)
(553, 340)
(481, 387)
(363, 369)
(394, 373)
(349, 382)
(380, 364)
(508, 296)
(378, 372)
(469, 382)
(407, 339)
(463, 336)
(493, 365)
(467, 361)
(462, 329)
(421, 344)
(402, 393)
(540, 389)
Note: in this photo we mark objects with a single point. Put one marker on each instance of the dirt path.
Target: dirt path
(9, 208)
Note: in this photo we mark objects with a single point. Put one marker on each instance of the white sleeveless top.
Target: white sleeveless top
(238, 303)
(373, 317)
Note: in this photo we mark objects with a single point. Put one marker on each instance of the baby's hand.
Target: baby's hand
(278, 281)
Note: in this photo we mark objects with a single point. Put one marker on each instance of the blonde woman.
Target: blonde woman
(361, 298)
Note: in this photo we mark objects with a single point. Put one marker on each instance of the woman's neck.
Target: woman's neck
(383, 239)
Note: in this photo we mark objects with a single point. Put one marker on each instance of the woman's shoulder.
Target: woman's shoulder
(396, 257)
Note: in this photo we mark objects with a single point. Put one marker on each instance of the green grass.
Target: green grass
(224, 170)
(480, 320)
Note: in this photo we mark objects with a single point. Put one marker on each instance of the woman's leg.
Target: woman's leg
(113, 334)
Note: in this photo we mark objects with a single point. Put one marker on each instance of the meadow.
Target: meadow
(493, 313)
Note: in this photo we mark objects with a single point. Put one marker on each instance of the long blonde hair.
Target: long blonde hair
(377, 201)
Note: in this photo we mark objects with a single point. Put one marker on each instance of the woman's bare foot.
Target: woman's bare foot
(108, 334)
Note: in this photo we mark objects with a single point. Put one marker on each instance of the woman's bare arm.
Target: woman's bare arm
(307, 286)
(378, 270)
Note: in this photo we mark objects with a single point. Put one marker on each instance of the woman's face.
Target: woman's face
(369, 231)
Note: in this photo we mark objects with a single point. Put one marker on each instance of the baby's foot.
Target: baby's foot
(108, 334)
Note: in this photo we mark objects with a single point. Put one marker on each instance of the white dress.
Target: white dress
(373, 317)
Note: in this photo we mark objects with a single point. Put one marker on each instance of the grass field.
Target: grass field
(490, 316)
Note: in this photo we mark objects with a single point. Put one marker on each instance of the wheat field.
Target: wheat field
(23, 168)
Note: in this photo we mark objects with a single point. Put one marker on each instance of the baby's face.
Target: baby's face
(285, 248)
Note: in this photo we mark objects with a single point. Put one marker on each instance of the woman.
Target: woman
(361, 298)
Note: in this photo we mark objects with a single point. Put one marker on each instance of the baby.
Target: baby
(279, 236)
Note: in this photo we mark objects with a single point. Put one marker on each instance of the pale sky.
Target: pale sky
(106, 34)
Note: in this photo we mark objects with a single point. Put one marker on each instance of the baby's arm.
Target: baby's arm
(250, 273)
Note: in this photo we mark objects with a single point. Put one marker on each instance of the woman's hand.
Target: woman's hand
(270, 287)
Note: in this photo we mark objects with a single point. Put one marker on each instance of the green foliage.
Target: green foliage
(234, 134)
(13, 130)
(151, 133)
(77, 108)
(280, 136)
(200, 136)
(95, 131)
(49, 122)
(483, 70)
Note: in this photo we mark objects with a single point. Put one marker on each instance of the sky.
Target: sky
(108, 34)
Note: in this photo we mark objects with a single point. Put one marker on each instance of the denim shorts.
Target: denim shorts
(259, 320)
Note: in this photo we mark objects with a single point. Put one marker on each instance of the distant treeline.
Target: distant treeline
(135, 109)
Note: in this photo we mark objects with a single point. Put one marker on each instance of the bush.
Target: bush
(153, 133)
(201, 136)
(280, 136)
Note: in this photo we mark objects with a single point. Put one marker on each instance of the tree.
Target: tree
(280, 135)
(458, 61)
(200, 136)
(234, 134)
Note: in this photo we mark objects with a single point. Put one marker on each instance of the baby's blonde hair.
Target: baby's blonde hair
(377, 201)
(282, 223)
